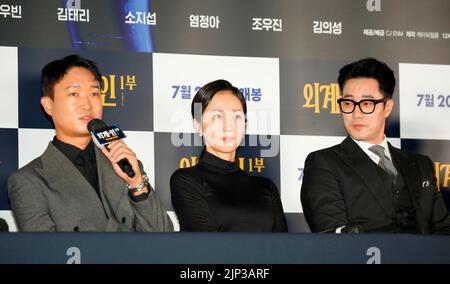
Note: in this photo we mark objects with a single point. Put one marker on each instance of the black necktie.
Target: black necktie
(86, 167)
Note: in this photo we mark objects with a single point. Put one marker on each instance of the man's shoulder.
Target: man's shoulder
(419, 158)
(29, 169)
(327, 157)
(326, 151)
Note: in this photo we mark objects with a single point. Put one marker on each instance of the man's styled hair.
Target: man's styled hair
(369, 68)
(54, 71)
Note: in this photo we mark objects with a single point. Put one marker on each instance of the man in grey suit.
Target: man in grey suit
(74, 186)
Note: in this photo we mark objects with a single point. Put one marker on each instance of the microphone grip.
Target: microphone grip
(126, 167)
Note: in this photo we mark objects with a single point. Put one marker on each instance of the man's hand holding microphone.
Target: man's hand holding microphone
(124, 161)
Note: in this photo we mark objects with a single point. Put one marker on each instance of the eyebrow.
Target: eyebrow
(72, 86)
(96, 86)
(363, 96)
(221, 110)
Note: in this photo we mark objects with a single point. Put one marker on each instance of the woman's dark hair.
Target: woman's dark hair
(205, 94)
(54, 71)
(369, 68)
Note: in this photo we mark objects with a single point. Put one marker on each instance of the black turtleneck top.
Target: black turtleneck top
(216, 195)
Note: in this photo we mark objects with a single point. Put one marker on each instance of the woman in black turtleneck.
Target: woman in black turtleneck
(216, 195)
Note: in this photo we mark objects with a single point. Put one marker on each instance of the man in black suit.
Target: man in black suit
(365, 184)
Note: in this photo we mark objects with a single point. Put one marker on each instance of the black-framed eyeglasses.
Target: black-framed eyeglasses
(366, 106)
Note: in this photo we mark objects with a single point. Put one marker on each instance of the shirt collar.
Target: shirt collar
(365, 147)
(72, 152)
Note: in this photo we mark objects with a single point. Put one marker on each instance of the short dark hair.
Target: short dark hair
(369, 68)
(205, 94)
(54, 71)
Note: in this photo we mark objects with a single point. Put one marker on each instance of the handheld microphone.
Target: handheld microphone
(103, 134)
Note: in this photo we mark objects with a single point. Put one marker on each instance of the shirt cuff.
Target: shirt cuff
(139, 198)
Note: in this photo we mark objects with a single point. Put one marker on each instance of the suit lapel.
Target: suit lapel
(112, 188)
(408, 170)
(352, 155)
(62, 176)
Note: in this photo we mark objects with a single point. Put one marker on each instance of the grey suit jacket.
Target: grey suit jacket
(50, 194)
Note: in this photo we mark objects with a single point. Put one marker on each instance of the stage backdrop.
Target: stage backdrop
(283, 54)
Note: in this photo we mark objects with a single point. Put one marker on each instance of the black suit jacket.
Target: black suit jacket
(341, 186)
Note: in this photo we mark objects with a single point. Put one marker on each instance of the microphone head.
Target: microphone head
(96, 124)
